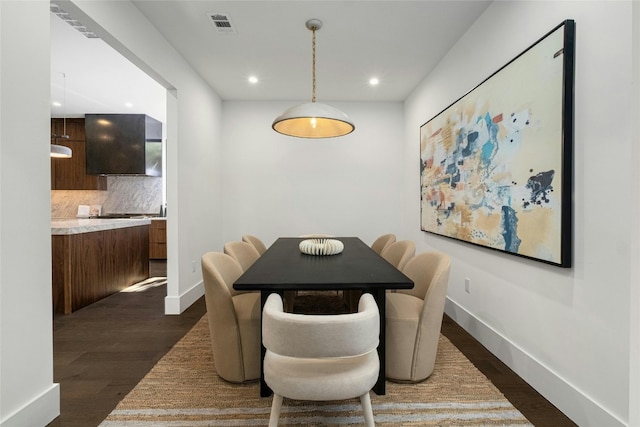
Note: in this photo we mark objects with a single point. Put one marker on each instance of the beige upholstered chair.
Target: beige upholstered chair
(398, 253)
(321, 357)
(256, 242)
(382, 242)
(242, 252)
(234, 319)
(414, 317)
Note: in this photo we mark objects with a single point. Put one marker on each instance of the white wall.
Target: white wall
(28, 395)
(275, 185)
(193, 170)
(565, 331)
(634, 294)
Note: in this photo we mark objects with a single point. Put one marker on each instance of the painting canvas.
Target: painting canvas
(496, 165)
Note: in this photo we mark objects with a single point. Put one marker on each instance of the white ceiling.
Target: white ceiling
(398, 42)
(97, 79)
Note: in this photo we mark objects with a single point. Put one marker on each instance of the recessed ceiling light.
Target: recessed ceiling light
(373, 81)
(56, 104)
(253, 80)
(128, 104)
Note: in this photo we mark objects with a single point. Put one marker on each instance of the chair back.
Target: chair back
(320, 336)
(219, 272)
(244, 253)
(399, 253)
(382, 242)
(413, 327)
(429, 271)
(256, 242)
(430, 274)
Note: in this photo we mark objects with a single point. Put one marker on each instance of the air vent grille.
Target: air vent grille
(66, 17)
(222, 22)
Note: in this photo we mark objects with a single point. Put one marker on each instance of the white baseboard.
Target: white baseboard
(178, 304)
(571, 401)
(39, 412)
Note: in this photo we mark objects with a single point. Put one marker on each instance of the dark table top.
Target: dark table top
(284, 267)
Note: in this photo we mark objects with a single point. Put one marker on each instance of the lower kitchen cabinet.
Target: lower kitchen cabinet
(158, 239)
(89, 266)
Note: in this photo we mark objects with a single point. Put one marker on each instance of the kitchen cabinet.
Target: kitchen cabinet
(94, 258)
(71, 174)
(158, 239)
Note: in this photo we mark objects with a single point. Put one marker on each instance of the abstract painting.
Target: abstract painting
(496, 166)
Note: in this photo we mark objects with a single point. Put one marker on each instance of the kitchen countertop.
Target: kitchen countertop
(61, 227)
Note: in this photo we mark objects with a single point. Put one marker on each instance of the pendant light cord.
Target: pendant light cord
(313, 119)
(313, 64)
(64, 109)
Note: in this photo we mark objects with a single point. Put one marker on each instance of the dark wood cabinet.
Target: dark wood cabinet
(158, 239)
(89, 266)
(71, 174)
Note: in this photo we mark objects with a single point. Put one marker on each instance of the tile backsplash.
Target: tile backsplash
(125, 194)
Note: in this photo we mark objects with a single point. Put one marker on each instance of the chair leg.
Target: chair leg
(365, 400)
(276, 406)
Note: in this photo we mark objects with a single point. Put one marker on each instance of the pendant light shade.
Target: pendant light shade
(312, 119)
(58, 151)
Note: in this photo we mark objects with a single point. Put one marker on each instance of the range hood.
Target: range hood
(123, 144)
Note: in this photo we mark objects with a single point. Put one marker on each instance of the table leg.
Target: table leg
(381, 299)
(265, 390)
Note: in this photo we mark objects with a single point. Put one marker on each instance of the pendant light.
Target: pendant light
(60, 151)
(312, 119)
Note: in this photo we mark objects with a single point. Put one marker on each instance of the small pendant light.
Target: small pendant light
(60, 151)
(312, 119)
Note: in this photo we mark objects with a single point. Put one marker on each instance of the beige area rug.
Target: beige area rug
(183, 389)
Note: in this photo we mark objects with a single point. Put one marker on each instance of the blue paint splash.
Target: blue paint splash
(509, 229)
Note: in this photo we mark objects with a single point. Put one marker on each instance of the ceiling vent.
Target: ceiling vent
(222, 23)
(56, 10)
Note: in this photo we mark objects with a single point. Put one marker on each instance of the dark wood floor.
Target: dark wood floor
(529, 402)
(103, 350)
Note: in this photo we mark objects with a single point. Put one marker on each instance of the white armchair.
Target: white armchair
(342, 347)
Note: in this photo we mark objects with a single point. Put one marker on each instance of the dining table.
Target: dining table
(284, 267)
